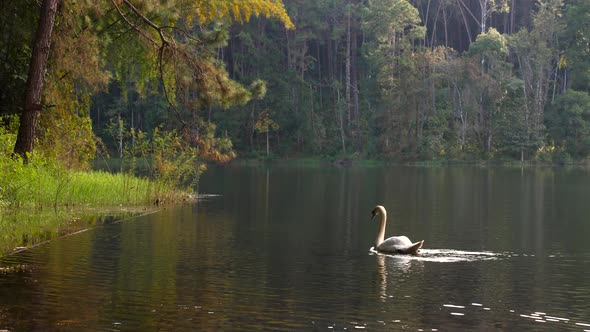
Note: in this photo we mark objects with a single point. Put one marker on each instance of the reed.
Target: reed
(42, 186)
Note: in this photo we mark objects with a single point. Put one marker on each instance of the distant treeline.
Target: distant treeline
(418, 80)
(391, 79)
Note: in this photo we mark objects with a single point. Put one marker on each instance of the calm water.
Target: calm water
(287, 248)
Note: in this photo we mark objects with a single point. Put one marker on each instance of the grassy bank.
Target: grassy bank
(43, 186)
(46, 182)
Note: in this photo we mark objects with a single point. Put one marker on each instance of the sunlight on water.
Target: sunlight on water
(15, 268)
(542, 317)
(204, 197)
(537, 316)
(454, 306)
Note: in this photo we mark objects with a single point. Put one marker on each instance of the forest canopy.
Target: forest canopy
(389, 79)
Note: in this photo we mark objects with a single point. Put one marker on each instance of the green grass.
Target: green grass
(44, 183)
(42, 187)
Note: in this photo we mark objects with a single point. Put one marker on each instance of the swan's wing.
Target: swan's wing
(400, 245)
(395, 243)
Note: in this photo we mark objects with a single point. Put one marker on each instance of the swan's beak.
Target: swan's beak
(373, 214)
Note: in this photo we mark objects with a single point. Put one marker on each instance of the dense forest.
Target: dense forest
(387, 79)
(417, 80)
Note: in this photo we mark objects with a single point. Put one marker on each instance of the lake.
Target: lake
(288, 248)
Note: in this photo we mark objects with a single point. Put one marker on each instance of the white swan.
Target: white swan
(394, 244)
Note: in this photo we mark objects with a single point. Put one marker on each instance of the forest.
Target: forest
(406, 80)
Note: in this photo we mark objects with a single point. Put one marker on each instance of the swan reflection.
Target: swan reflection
(392, 269)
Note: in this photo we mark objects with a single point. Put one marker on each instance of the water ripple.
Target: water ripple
(448, 255)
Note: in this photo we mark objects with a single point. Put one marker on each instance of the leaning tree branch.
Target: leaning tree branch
(148, 22)
(171, 105)
(182, 31)
(469, 11)
(162, 46)
(167, 42)
(134, 26)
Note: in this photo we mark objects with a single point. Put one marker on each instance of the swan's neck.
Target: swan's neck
(381, 234)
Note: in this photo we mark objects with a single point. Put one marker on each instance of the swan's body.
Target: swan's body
(394, 244)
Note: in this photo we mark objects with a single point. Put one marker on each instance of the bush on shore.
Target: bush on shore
(43, 183)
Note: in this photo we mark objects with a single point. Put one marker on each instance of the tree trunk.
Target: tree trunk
(347, 71)
(267, 145)
(466, 25)
(355, 91)
(445, 25)
(484, 15)
(34, 88)
(341, 121)
(433, 34)
(512, 10)
(120, 136)
(252, 122)
(426, 22)
(490, 131)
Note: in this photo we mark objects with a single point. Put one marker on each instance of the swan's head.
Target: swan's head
(377, 210)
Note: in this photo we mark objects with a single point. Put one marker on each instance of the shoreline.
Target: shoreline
(346, 162)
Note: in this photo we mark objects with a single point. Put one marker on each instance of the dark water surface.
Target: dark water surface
(287, 248)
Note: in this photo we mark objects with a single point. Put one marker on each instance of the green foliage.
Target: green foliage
(386, 19)
(432, 143)
(416, 100)
(576, 39)
(264, 124)
(241, 11)
(67, 135)
(512, 131)
(553, 154)
(490, 45)
(145, 48)
(17, 21)
(400, 70)
(537, 57)
(42, 183)
(568, 123)
(174, 162)
(166, 158)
